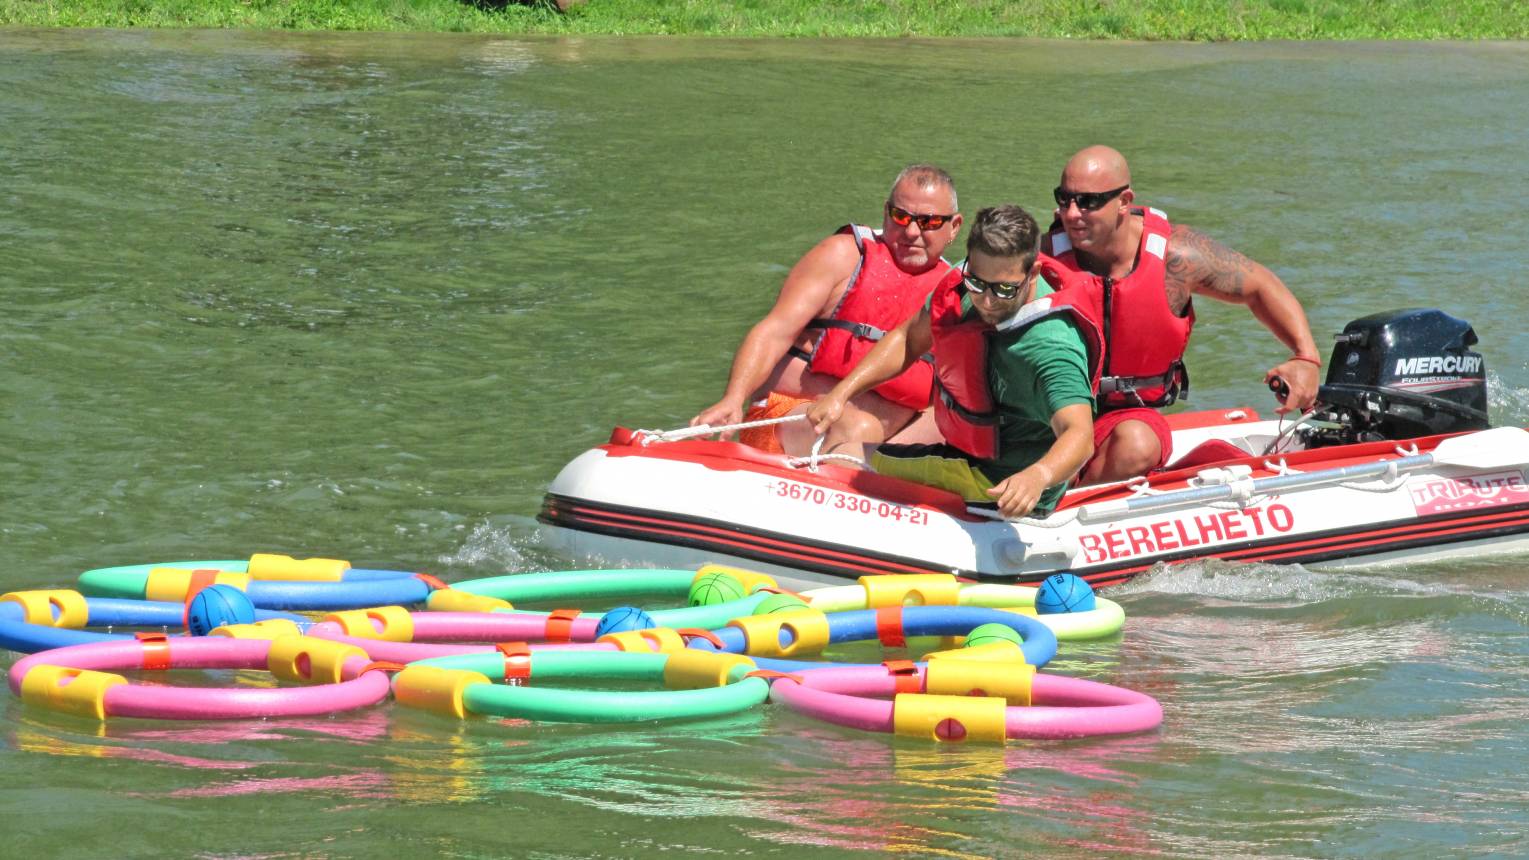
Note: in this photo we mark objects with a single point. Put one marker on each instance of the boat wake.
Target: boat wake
(1509, 406)
(505, 545)
(1358, 597)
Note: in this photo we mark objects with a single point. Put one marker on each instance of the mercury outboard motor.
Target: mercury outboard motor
(1400, 374)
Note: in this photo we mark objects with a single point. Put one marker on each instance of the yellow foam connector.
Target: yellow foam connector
(1020, 610)
(1011, 681)
(457, 600)
(693, 669)
(808, 629)
(992, 652)
(910, 589)
(266, 565)
(751, 580)
(271, 628)
(170, 584)
(388, 623)
(432, 688)
(308, 660)
(949, 718)
(662, 640)
(38, 606)
(81, 692)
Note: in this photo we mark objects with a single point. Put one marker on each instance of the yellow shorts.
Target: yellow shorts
(940, 466)
(764, 438)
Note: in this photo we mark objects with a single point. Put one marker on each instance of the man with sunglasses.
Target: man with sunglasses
(1144, 272)
(834, 305)
(1015, 365)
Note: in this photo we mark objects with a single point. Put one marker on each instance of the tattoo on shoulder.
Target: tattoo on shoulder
(1199, 264)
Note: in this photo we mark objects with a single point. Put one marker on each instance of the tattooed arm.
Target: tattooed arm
(1199, 265)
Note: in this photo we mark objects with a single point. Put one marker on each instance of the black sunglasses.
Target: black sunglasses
(975, 284)
(901, 217)
(1087, 201)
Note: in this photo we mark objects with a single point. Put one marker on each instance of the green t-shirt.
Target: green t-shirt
(1035, 374)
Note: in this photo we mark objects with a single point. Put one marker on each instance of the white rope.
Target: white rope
(1391, 485)
(812, 462)
(682, 433)
(1282, 468)
(817, 447)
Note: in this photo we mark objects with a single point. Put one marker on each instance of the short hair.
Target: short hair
(927, 176)
(1005, 231)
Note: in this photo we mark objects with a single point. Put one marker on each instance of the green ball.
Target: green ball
(779, 603)
(714, 588)
(987, 634)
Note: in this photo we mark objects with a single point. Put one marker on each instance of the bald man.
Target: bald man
(836, 302)
(1145, 273)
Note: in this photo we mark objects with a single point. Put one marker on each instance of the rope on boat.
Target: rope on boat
(812, 461)
(682, 433)
(1391, 480)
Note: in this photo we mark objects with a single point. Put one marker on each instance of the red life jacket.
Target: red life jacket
(965, 409)
(879, 298)
(1144, 359)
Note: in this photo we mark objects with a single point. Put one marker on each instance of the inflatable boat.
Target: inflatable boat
(1397, 462)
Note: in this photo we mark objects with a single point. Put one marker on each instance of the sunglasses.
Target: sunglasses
(1087, 201)
(901, 217)
(999, 289)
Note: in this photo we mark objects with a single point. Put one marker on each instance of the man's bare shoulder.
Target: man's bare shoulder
(1197, 263)
(839, 249)
(828, 263)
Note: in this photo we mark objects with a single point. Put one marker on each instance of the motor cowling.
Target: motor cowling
(1401, 374)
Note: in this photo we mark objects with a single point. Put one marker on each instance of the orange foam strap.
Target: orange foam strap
(889, 627)
(381, 666)
(435, 582)
(198, 580)
(560, 624)
(775, 589)
(517, 662)
(768, 674)
(689, 633)
(905, 674)
(156, 650)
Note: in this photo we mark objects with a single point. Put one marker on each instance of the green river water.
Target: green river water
(361, 296)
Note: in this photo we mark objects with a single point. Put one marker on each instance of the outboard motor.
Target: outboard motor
(1400, 374)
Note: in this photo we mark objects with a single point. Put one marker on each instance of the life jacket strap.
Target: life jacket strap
(986, 419)
(861, 330)
(1174, 382)
(858, 329)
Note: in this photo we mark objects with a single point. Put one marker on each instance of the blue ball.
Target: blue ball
(622, 619)
(1064, 592)
(216, 606)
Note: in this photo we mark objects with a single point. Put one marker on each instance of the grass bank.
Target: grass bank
(1216, 20)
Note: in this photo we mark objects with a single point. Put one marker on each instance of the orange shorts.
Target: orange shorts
(765, 438)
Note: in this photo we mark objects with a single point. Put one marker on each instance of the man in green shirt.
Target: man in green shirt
(1016, 404)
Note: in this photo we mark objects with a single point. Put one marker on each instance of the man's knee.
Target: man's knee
(1131, 449)
(852, 429)
(857, 427)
